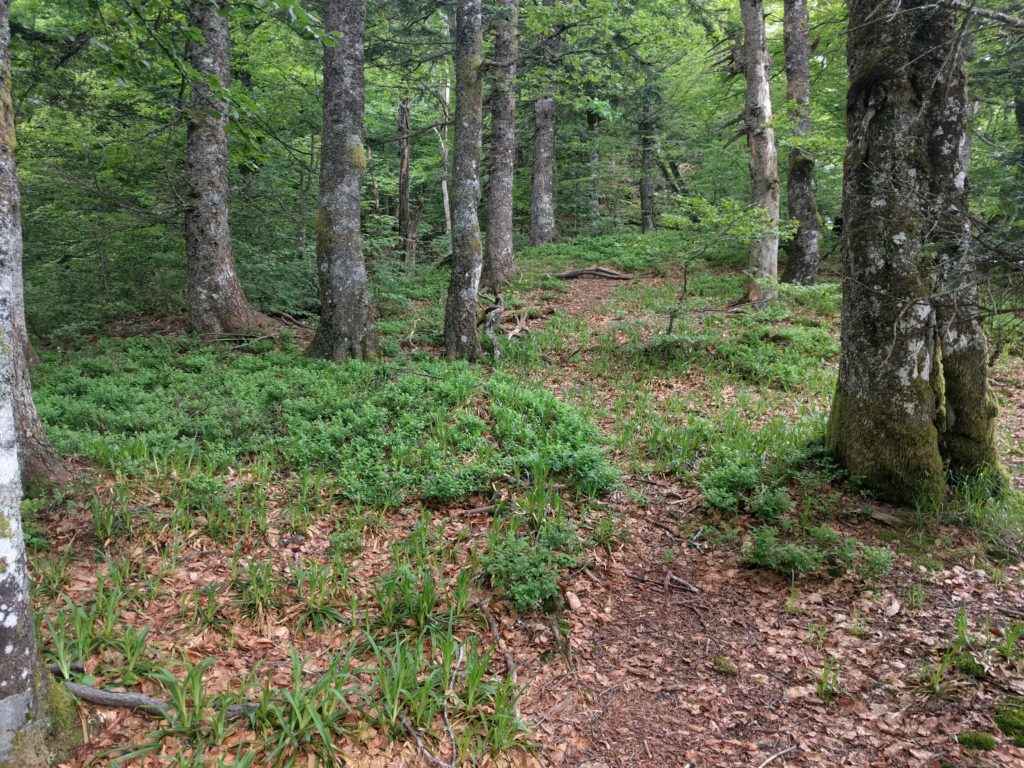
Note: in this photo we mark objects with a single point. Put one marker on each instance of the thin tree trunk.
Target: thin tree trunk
(460, 335)
(405, 241)
(543, 227)
(802, 250)
(25, 721)
(648, 213)
(764, 169)
(499, 260)
(346, 327)
(217, 304)
(594, 160)
(913, 381)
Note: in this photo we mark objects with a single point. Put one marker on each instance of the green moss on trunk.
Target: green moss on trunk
(895, 456)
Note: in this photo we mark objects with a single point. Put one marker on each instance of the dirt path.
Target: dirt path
(662, 676)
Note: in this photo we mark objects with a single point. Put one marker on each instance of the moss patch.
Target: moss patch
(977, 740)
(1010, 719)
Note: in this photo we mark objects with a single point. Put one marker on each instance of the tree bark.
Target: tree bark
(757, 116)
(460, 334)
(594, 161)
(913, 390)
(217, 304)
(346, 329)
(802, 250)
(499, 259)
(543, 227)
(648, 213)
(405, 239)
(25, 719)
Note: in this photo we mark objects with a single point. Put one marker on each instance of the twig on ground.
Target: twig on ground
(421, 747)
(509, 662)
(777, 755)
(140, 702)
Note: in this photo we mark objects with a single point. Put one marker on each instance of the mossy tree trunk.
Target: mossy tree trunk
(764, 166)
(25, 722)
(802, 251)
(217, 304)
(346, 330)
(460, 334)
(499, 258)
(913, 394)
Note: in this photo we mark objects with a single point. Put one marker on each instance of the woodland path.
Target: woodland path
(649, 682)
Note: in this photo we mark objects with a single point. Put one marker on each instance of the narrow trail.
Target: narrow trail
(653, 674)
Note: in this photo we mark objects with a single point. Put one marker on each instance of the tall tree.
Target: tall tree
(499, 259)
(648, 126)
(346, 327)
(802, 250)
(406, 237)
(543, 227)
(460, 335)
(217, 304)
(913, 391)
(40, 464)
(25, 720)
(764, 167)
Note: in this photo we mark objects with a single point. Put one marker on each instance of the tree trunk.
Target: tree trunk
(594, 161)
(913, 381)
(25, 719)
(1018, 113)
(648, 213)
(543, 228)
(764, 169)
(802, 250)
(460, 336)
(217, 304)
(405, 241)
(346, 327)
(499, 260)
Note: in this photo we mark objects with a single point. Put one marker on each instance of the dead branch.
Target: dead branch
(140, 702)
(777, 755)
(595, 271)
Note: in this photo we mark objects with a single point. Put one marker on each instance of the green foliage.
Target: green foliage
(767, 551)
(384, 431)
(526, 567)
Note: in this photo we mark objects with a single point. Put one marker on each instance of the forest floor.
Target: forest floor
(730, 600)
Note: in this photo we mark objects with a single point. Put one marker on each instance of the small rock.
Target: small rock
(573, 600)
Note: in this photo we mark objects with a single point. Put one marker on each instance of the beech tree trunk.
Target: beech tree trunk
(913, 393)
(405, 237)
(648, 213)
(802, 251)
(25, 721)
(499, 259)
(764, 167)
(217, 304)
(543, 227)
(460, 335)
(594, 160)
(346, 329)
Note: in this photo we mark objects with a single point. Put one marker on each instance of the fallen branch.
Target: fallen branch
(140, 702)
(602, 272)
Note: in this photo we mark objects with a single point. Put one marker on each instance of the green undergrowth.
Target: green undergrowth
(386, 432)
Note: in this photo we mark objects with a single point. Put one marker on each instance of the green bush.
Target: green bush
(767, 551)
(526, 569)
(977, 740)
